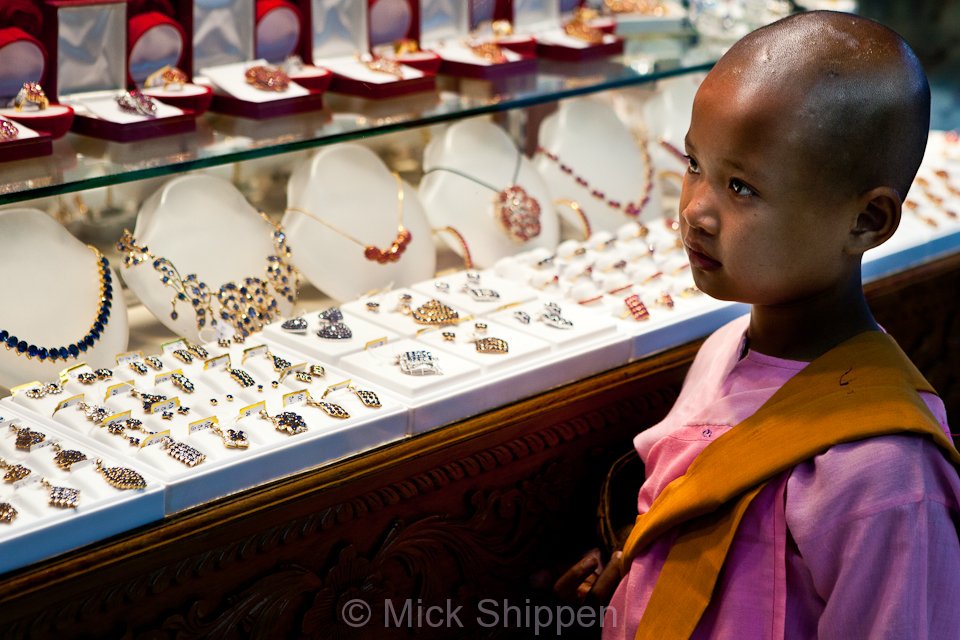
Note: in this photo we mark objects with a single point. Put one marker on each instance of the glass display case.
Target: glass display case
(466, 287)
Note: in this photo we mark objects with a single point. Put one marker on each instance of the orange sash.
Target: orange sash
(864, 387)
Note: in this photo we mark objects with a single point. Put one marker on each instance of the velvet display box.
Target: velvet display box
(91, 70)
(30, 144)
(394, 23)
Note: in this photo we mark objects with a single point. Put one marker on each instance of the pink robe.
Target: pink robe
(859, 542)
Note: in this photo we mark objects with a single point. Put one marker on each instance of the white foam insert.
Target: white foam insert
(51, 111)
(105, 107)
(390, 317)
(522, 347)
(478, 148)
(559, 38)
(41, 531)
(510, 292)
(587, 135)
(350, 188)
(459, 51)
(48, 270)
(354, 69)
(185, 91)
(230, 79)
(326, 349)
(588, 325)
(229, 242)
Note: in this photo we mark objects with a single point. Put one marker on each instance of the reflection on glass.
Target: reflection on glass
(222, 32)
(339, 28)
(91, 48)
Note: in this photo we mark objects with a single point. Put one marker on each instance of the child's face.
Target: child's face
(759, 223)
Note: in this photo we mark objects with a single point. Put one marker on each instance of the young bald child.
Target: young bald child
(804, 484)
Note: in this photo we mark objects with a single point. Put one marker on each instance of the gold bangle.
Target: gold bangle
(574, 206)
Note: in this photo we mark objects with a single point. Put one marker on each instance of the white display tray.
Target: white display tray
(271, 454)
(324, 349)
(102, 512)
(510, 292)
(697, 321)
(393, 320)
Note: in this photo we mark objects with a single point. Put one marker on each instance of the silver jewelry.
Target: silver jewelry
(522, 317)
(295, 325)
(418, 363)
(136, 102)
(482, 295)
(335, 328)
(551, 317)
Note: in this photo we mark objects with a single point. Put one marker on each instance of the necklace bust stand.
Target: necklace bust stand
(343, 201)
(589, 156)
(52, 296)
(203, 225)
(483, 151)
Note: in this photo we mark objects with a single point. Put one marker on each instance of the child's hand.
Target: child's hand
(589, 581)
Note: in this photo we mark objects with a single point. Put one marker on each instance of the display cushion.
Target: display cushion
(197, 99)
(265, 47)
(55, 121)
(140, 25)
(19, 53)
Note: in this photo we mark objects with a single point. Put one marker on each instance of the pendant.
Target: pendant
(434, 312)
(67, 457)
(518, 213)
(121, 477)
(7, 513)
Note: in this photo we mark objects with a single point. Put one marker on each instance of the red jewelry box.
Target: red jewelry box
(398, 21)
(108, 44)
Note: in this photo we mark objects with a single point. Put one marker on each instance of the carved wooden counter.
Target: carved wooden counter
(465, 512)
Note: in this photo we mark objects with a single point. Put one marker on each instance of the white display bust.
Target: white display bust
(52, 289)
(483, 151)
(204, 226)
(353, 193)
(587, 136)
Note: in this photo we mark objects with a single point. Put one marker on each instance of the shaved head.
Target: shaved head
(851, 92)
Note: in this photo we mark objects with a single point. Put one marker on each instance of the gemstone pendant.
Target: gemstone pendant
(279, 364)
(492, 345)
(27, 438)
(434, 312)
(7, 513)
(290, 423)
(15, 473)
(63, 497)
(483, 295)
(234, 439)
(182, 452)
(121, 477)
(368, 398)
(518, 213)
(335, 331)
(332, 409)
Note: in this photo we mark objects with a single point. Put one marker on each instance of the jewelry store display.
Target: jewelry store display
(121, 477)
(371, 252)
(51, 388)
(246, 306)
(71, 351)
(267, 78)
(134, 101)
(368, 398)
(198, 351)
(170, 78)
(179, 451)
(516, 210)
(31, 94)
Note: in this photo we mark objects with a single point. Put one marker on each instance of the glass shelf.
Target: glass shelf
(81, 162)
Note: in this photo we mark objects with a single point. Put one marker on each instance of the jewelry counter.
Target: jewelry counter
(468, 511)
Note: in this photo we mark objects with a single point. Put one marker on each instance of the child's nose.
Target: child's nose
(697, 207)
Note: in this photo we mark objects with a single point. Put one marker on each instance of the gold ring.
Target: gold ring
(31, 93)
(170, 77)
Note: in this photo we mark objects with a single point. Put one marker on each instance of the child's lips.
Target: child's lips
(699, 258)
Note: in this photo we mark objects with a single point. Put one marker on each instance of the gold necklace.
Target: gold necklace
(371, 252)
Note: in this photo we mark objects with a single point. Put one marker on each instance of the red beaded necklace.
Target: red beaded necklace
(631, 209)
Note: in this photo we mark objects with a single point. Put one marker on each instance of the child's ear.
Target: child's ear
(876, 221)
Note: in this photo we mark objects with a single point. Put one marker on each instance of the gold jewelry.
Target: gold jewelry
(246, 305)
(62, 497)
(121, 477)
(13, 472)
(267, 78)
(286, 422)
(7, 513)
(449, 336)
(434, 312)
(154, 362)
(242, 378)
(183, 356)
(182, 382)
(232, 438)
(171, 78)
(31, 93)
(8, 130)
(198, 351)
(502, 28)
(379, 64)
(303, 376)
(371, 252)
(332, 409)
(489, 51)
(580, 28)
(138, 367)
(66, 457)
(279, 364)
(26, 437)
(406, 45)
(664, 300)
(368, 398)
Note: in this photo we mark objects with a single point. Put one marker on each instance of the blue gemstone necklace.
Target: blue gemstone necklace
(71, 351)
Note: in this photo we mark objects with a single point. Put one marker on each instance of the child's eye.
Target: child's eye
(692, 165)
(740, 188)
